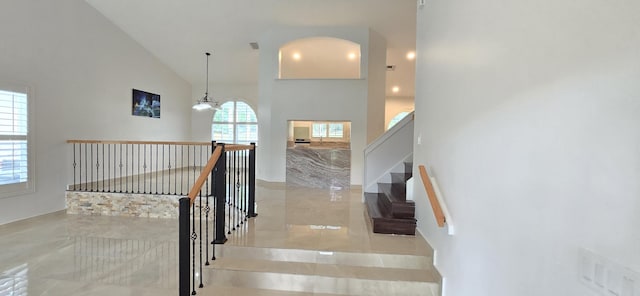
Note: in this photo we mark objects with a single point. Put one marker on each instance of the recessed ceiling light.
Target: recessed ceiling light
(411, 55)
(395, 89)
(296, 56)
(352, 56)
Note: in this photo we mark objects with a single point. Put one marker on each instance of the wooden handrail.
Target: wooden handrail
(227, 147)
(237, 147)
(137, 142)
(433, 199)
(193, 193)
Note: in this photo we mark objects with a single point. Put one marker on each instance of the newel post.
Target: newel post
(252, 182)
(183, 246)
(220, 194)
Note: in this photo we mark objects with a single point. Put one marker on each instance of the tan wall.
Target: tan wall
(395, 105)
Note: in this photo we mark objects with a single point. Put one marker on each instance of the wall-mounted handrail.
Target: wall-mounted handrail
(433, 198)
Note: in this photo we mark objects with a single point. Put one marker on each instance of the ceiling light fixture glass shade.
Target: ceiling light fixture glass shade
(206, 103)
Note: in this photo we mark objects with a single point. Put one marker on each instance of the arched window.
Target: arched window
(235, 123)
(397, 119)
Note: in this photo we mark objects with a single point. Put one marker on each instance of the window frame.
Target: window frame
(234, 123)
(325, 128)
(29, 186)
(330, 135)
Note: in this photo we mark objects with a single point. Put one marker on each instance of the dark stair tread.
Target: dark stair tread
(383, 222)
(400, 177)
(392, 198)
(376, 212)
(408, 167)
(397, 193)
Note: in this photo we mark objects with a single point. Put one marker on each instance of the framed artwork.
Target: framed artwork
(145, 104)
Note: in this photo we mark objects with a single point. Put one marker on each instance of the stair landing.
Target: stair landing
(318, 242)
(306, 272)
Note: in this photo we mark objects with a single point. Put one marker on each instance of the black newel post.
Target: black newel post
(183, 246)
(220, 195)
(212, 178)
(252, 182)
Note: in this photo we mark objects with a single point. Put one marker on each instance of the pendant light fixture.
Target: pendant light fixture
(206, 103)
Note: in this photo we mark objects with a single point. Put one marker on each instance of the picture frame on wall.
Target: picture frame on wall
(145, 104)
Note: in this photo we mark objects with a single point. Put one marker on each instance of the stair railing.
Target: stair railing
(388, 151)
(136, 167)
(229, 178)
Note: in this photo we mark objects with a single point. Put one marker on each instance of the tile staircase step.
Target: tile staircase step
(225, 290)
(326, 257)
(316, 284)
(240, 270)
(323, 269)
(383, 222)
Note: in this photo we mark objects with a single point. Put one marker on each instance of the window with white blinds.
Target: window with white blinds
(235, 123)
(331, 130)
(14, 141)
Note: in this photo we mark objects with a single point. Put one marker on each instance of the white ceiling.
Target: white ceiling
(179, 32)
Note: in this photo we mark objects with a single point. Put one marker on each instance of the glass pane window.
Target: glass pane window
(336, 130)
(223, 132)
(13, 162)
(246, 133)
(14, 153)
(318, 130)
(397, 119)
(225, 114)
(235, 123)
(244, 113)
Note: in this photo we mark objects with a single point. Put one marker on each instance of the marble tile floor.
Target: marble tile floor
(304, 242)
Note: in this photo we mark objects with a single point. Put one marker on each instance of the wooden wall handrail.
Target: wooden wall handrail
(195, 189)
(227, 147)
(433, 199)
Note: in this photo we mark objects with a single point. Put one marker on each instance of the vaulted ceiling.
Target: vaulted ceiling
(179, 32)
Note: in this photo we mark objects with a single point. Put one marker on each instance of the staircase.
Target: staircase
(298, 272)
(389, 210)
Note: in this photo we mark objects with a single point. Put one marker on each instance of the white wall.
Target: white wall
(529, 115)
(377, 76)
(308, 99)
(82, 69)
(201, 121)
(395, 105)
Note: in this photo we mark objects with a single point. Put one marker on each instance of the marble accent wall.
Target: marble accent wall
(122, 204)
(319, 167)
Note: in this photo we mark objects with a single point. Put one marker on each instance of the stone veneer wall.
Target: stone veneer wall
(122, 204)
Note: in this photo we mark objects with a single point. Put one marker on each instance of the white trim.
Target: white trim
(385, 152)
(390, 132)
